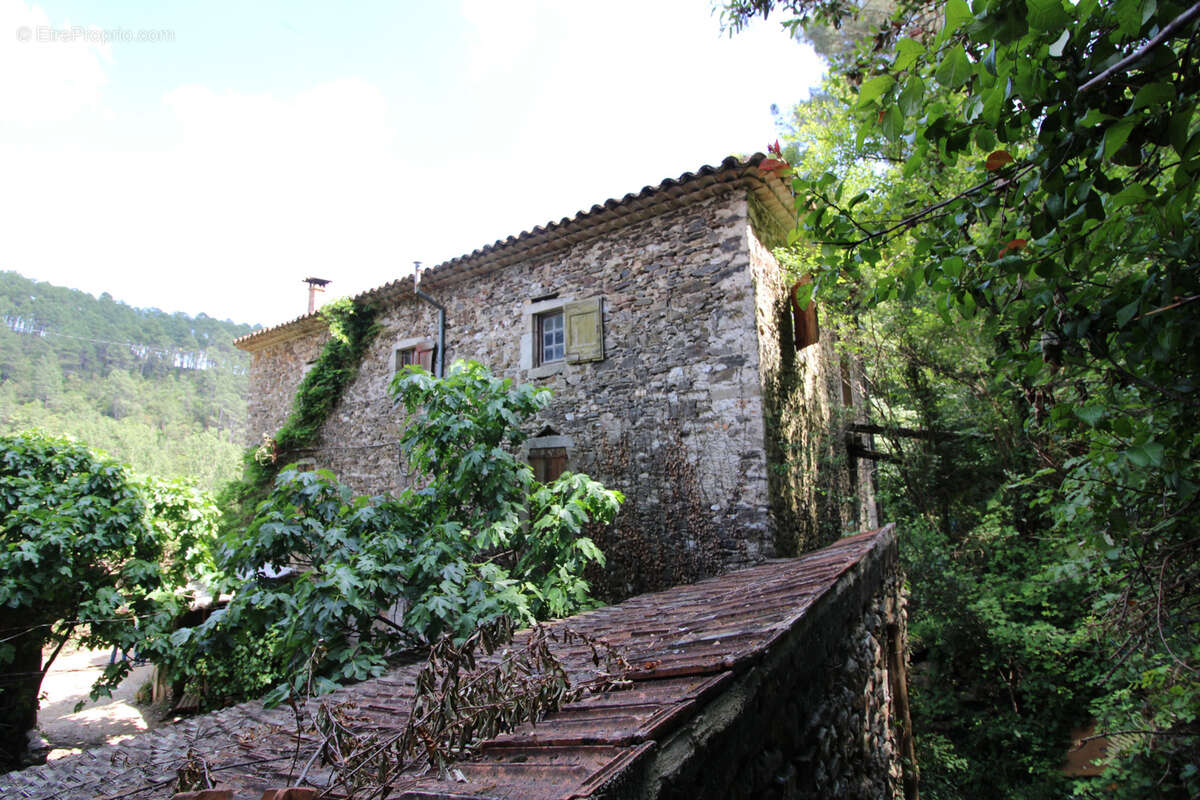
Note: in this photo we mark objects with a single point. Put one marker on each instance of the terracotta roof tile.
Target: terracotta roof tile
(690, 640)
(774, 192)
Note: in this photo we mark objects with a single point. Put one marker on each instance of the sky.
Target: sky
(209, 156)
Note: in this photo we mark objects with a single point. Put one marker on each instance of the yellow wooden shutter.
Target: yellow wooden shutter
(585, 330)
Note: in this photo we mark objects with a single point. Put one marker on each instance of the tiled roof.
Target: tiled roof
(690, 642)
(771, 190)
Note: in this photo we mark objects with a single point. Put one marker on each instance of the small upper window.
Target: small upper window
(551, 337)
(560, 332)
(413, 352)
(806, 330)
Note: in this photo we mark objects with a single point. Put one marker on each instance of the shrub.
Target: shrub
(367, 577)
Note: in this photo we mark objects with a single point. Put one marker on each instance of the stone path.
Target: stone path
(100, 722)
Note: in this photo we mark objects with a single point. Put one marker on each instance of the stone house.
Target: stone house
(683, 373)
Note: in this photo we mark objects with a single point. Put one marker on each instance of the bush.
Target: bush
(87, 554)
(368, 577)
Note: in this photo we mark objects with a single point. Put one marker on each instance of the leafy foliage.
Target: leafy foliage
(464, 435)
(1033, 183)
(1003, 657)
(183, 520)
(159, 436)
(351, 328)
(369, 576)
(82, 557)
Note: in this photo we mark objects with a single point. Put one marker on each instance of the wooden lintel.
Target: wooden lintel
(908, 433)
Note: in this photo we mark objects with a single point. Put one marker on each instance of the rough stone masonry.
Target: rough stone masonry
(725, 438)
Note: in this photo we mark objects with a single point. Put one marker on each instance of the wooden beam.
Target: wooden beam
(898, 678)
(908, 433)
(873, 455)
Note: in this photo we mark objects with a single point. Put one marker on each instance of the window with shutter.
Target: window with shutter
(405, 357)
(585, 330)
(424, 355)
(561, 331)
(416, 351)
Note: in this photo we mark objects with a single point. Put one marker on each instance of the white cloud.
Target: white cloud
(257, 193)
(49, 71)
(500, 34)
(623, 94)
(222, 201)
(263, 187)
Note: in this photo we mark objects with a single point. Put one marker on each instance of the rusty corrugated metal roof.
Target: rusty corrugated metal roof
(766, 185)
(686, 643)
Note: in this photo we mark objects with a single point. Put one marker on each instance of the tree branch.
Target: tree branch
(57, 650)
(913, 219)
(1137, 731)
(1176, 304)
(1142, 52)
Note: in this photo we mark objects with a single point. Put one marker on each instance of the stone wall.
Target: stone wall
(275, 373)
(824, 715)
(816, 493)
(672, 415)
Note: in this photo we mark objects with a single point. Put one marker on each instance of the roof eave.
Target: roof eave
(772, 191)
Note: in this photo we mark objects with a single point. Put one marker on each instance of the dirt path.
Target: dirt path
(105, 721)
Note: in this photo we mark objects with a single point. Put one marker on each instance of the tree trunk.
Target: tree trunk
(20, 681)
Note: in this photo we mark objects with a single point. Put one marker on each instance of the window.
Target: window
(548, 454)
(548, 463)
(551, 337)
(804, 314)
(418, 352)
(562, 331)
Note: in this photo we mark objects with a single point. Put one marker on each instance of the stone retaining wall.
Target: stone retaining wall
(829, 699)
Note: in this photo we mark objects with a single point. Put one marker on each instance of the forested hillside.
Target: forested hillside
(163, 392)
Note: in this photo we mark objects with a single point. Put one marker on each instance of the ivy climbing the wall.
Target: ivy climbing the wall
(352, 328)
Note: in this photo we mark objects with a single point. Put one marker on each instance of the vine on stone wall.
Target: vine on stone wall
(352, 328)
(812, 492)
(654, 545)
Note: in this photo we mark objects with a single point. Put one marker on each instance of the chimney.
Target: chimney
(314, 285)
